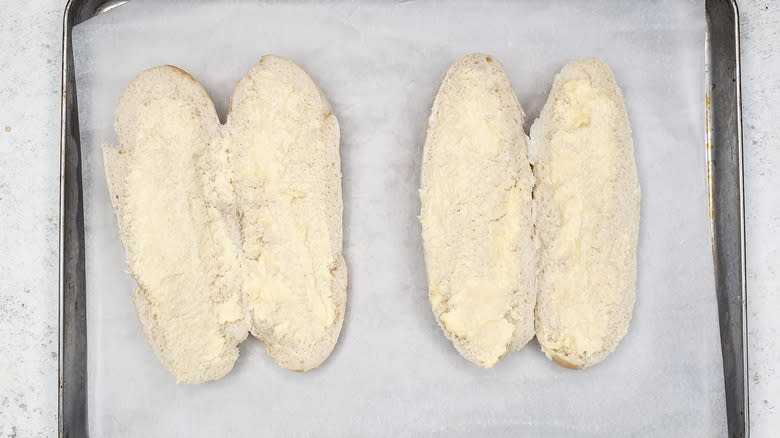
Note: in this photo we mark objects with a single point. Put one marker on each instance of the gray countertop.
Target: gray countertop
(30, 44)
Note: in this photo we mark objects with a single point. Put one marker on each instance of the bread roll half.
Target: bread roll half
(476, 212)
(178, 244)
(235, 228)
(287, 177)
(587, 225)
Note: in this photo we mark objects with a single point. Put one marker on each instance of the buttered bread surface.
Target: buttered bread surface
(235, 228)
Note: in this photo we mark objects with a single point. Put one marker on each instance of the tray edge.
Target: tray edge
(725, 182)
(77, 11)
(72, 372)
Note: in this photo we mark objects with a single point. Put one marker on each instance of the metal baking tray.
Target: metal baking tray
(724, 177)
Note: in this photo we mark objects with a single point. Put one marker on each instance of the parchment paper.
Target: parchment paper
(393, 372)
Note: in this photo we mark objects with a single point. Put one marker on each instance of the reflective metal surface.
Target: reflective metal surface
(724, 176)
(72, 412)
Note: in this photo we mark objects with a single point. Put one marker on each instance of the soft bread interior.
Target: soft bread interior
(178, 245)
(231, 228)
(287, 178)
(587, 192)
(476, 212)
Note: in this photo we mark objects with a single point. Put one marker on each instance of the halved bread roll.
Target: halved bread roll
(235, 228)
(178, 244)
(476, 212)
(587, 192)
(285, 153)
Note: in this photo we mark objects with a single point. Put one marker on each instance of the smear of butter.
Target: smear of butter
(285, 211)
(583, 156)
(472, 215)
(181, 243)
(477, 313)
(230, 310)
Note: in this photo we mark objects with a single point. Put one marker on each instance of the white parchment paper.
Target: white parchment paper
(393, 373)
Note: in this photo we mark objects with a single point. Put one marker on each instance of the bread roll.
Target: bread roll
(285, 154)
(235, 228)
(178, 244)
(587, 225)
(476, 213)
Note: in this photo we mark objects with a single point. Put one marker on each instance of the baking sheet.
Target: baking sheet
(393, 373)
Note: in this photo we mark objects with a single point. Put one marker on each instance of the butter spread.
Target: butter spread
(472, 210)
(477, 314)
(281, 164)
(180, 243)
(585, 255)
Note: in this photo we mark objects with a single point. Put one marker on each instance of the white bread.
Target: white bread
(179, 183)
(476, 215)
(587, 192)
(178, 245)
(287, 177)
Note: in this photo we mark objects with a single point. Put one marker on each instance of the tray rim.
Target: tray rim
(726, 200)
(72, 401)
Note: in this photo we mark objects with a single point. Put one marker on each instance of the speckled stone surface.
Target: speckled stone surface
(760, 21)
(30, 35)
(30, 44)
